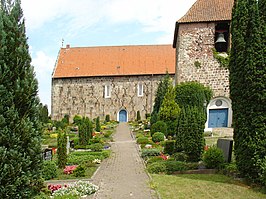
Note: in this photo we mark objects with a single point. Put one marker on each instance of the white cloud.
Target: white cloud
(153, 15)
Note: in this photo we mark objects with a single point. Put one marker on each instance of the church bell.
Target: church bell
(220, 38)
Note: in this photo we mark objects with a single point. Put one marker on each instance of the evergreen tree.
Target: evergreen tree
(44, 118)
(98, 125)
(189, 137)
(247, 86)
(85, 131)
(169, 111)
(62, 149)
(160, 93)
(20, 135)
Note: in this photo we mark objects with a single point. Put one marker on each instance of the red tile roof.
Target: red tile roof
(208, 10)
(114, 61)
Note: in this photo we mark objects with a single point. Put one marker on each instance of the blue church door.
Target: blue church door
(123, 116)
(218, 118)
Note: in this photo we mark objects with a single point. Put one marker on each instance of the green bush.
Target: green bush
(95, 147)
(139, 135)
(107, 118)
(61, 150)
(142, 140)
(156, 167)
(169, 147)
(138, 116)
(107, 134)
(158, 137)
(78, 159)
(172, 166)
(150, 152)
(49, 170)
(98, 125)
(80, 171)
(159, 126)
(77, 119)
(180, 156)
(213, 158)
(154, 159)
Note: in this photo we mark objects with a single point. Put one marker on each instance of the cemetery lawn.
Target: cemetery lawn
(202, 186)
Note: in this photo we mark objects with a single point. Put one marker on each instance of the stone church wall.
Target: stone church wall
(195, 60)
(85, 96)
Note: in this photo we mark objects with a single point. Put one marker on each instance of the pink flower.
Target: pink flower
(69, 169)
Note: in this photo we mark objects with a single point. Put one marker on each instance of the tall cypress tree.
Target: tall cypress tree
(20, 136)
(247, 87)
(160, 93)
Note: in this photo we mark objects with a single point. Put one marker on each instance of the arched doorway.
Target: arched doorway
(219, 113)
(122, 116)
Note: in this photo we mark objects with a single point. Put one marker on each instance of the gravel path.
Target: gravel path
(122, 175)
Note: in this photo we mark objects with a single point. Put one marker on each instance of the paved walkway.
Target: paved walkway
(122, 175)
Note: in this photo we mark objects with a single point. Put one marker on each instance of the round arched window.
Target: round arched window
(218, 102)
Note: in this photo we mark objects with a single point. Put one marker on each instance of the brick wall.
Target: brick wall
(85, 96)
(194, 45)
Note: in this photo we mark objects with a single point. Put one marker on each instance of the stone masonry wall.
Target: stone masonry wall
(85, 96)
(195, 43)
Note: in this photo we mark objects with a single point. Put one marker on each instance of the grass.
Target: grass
(202, 186)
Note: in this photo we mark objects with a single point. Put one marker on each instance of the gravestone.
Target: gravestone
(226, 144)
(47, 154)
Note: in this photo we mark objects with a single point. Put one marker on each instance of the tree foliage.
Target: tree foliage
(85, 131)
(98, 125)
(44, 118)
(247, 86)
(169, 111)
(189, 136)
(20, 135)
(160, 93)
(192, 94)
(62, 149)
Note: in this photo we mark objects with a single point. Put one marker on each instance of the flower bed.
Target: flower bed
(80, 188)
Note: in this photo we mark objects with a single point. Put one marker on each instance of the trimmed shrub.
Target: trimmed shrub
(49, 170)
(85, 131)
(180, 156)
(156, 167)
(213, 158)
(155, 159)
(150, 152)
(98, 125)
(169, 147)
(107, 118)
(77, 119)
(147, 115)
(95, 147)
(80, 171)
(159, 126)
(61, 149)
(158, 137)
(142, 140)
(138, 116)
(172, 166)
(107, 134)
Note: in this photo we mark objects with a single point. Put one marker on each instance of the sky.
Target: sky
(51, 24)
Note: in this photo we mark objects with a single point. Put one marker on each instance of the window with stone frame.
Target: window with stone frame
(107, 91)
(140, 89)
(222, 35)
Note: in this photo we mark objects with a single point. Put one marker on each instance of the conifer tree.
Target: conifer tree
(62, 149)
(248, 87)
(160, 93)
(169, 111)
(85, 131)
(20, 135)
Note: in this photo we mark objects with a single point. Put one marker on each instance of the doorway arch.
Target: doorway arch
(122, 116)
(219, 113)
